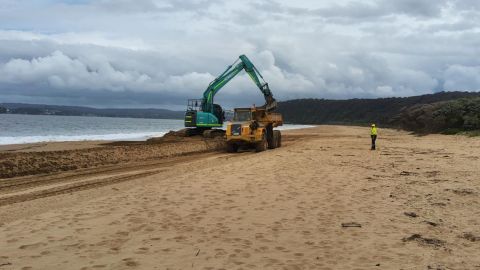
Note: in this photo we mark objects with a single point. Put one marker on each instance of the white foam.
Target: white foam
(88, 137)
(289, 126)
(139, 136)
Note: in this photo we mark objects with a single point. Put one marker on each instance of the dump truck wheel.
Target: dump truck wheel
(274, 143)
(270, 138)
(232, 147)
(279, 138)
(262, 145)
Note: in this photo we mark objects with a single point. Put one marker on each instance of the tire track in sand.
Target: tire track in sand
(70, 187)
(29, 188)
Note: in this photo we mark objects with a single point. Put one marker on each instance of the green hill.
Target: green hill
(450, 117)
(359, 111)
(40, 109)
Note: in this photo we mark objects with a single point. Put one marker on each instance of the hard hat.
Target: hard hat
(373, 125)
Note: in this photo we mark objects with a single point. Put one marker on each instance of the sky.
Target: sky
(159, 53)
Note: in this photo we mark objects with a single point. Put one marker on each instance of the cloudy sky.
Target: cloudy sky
(158, 53)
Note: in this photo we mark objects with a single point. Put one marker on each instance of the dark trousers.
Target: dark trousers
(374, 138)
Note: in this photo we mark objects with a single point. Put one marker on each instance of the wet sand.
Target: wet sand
(414, 204)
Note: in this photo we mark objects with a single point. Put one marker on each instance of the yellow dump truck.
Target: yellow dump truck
(254, 127)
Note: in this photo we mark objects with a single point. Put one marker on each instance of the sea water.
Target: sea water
(18, 128)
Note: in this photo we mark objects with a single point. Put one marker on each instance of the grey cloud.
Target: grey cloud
(129, 75)
(163, 52)
(425, 8)
(382, 8)
(152, 6)
(459, 77)
(354, 10)
(128, 5)
(467, 4)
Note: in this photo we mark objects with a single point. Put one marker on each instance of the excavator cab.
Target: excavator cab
(196, 117)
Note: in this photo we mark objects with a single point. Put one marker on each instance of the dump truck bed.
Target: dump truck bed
(274, 118)
(264, 117)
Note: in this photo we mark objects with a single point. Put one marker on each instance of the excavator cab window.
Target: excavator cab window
(242, 116)
(194, 104)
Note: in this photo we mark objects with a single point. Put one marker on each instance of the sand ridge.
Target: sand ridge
(416, 199)
(46, 158)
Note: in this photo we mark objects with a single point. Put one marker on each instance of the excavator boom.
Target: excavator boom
(208, 114)
(232, 71)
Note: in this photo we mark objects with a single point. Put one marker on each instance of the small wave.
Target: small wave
(289, 126)
(70, 138)
(6, 140)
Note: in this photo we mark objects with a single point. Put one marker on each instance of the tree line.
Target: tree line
(439, 112)
(449, 117)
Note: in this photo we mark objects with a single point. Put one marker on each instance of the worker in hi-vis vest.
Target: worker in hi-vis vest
(373, 135)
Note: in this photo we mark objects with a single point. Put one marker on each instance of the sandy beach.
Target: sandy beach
(322, 201)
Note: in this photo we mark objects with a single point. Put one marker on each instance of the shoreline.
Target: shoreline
(55, 157)
(73, 144)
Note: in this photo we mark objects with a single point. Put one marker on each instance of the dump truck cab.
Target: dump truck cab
(253, 127)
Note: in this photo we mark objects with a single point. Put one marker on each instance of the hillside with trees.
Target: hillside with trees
(40, 109)
(449, 117)
(382, 111)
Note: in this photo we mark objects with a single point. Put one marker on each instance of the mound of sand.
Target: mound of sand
(13, 164)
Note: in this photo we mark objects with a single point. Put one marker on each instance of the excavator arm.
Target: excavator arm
(229, 74)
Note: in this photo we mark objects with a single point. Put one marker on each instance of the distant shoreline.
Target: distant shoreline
(99, 116)
(91, 115)
(41, 109)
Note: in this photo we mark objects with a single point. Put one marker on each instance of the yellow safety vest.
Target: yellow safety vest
(374, 131)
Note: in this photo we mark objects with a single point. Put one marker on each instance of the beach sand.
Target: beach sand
(412, 204)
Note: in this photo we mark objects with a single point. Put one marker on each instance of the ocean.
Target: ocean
(19, 128)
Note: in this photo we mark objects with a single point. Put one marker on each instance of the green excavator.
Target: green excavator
(203, 114)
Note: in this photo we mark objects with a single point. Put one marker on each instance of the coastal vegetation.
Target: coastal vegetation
(40, 109)
(444, 112)
(448, 117)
